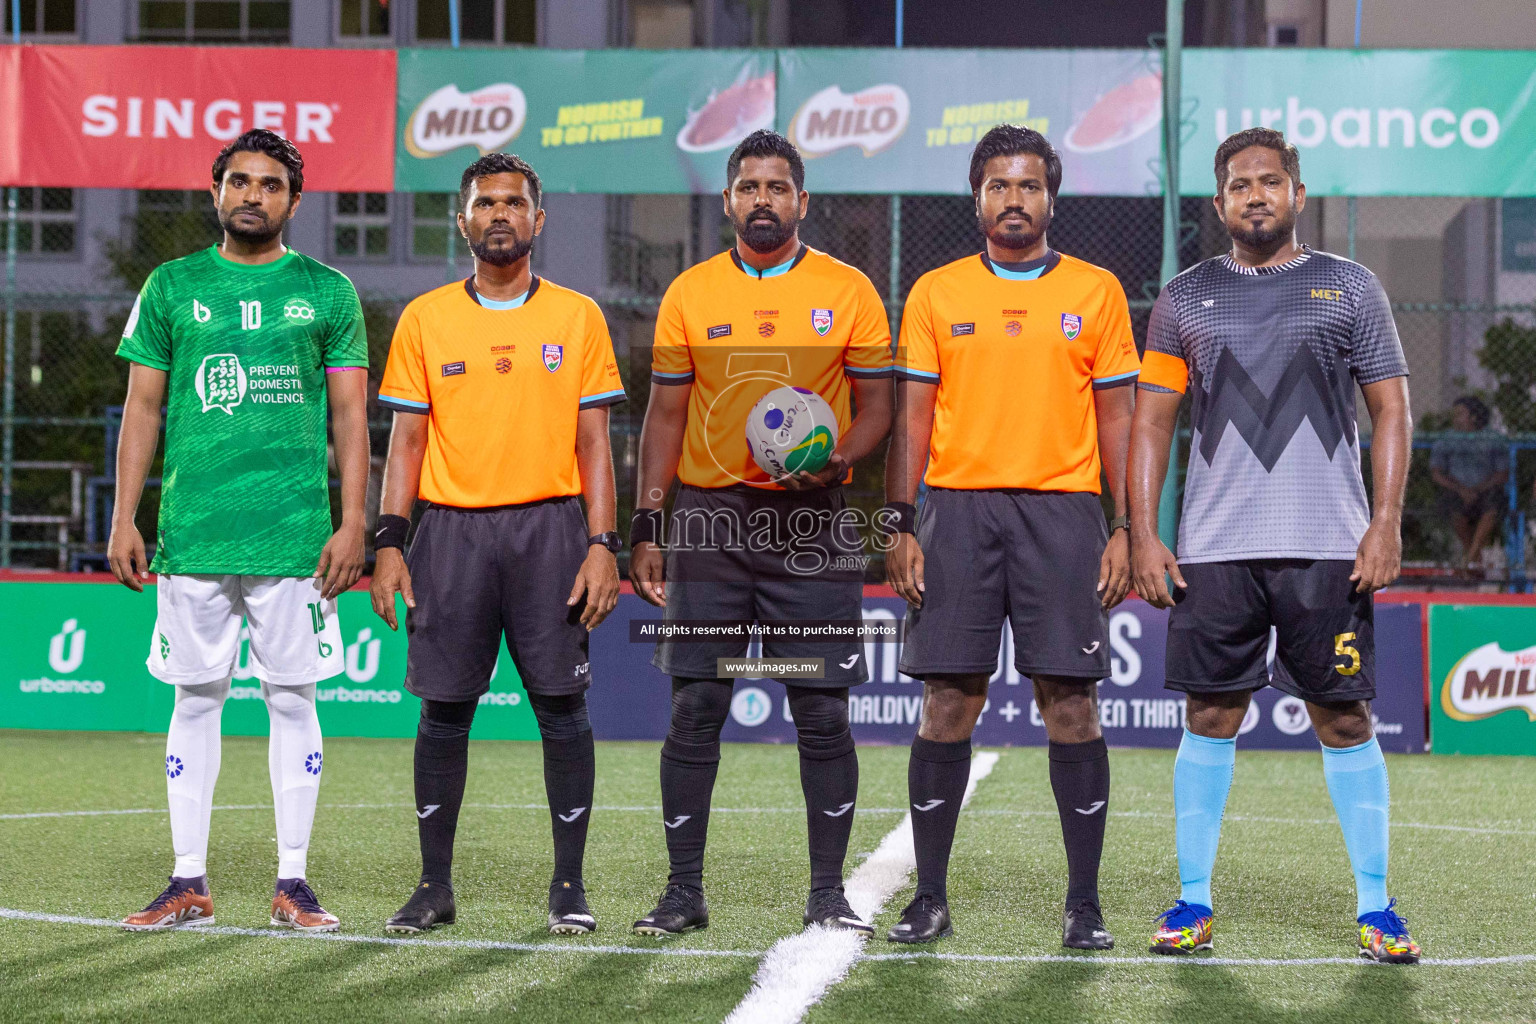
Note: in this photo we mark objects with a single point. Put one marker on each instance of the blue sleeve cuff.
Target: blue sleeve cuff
(403, 404)
(1117, 381)
(605, 398)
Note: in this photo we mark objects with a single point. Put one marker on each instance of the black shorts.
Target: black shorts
(1218, 632)
(481, 574)
(1030, 557)
(741, 554)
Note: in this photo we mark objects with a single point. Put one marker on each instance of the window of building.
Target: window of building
(214, 21)
(480, 21)
(170, 223)
(46, 220)
(363, 20)
(360, 225)
(44, 17)
(432, 218)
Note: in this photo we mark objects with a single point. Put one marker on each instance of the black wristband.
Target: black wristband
(896, 517)
(645, 527)
(390, 532)
(1120, 523)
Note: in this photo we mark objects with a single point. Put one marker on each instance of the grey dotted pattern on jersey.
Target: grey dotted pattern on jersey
(1273, 357)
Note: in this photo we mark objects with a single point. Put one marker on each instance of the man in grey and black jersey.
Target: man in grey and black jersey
(1270, 340)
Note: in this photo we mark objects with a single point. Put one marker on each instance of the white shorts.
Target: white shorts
(295, 636)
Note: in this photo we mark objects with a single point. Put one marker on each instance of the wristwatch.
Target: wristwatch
(610, 540)
(1120, 523)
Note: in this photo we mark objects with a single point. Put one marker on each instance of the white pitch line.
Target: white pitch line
(799, 969)
(385, 940)
(7, 914)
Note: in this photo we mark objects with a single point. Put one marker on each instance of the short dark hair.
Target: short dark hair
(500, 163)
(1476, 408)
(1268, 138)
(259, 140)
(1014, 140)
(766, 142)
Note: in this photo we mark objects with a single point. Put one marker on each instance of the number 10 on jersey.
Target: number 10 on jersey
(250, 314)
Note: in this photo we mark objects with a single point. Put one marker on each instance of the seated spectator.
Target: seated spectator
(1471, 467)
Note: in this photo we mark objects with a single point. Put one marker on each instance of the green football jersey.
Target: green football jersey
(245, 349)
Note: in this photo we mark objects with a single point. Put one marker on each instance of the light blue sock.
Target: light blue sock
(1202, 777)
(1357, 781)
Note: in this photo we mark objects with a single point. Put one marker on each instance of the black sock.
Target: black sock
(936, 778)
(829, 778)
(690, 759)
(569, 771)
(687, 784)
(1080, 780)
(442, 763)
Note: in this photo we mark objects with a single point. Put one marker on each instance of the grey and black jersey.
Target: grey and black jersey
(1271, 357)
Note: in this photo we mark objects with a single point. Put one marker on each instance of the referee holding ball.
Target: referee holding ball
(768, 312)
(500, 386)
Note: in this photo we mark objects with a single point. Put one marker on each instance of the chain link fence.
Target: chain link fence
(1467, 321)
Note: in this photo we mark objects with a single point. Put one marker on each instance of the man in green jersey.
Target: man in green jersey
(245, 343)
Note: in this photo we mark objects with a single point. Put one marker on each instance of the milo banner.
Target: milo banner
(628, 121)
(1371, 122)
(73, 658)
(1483, 679)
(905, 121)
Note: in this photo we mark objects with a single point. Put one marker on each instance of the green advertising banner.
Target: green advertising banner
(1482, 671)
(906, 120)
(74, 659)
(1371, 122)
(630, 121)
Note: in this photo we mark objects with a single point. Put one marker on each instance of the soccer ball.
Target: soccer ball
(791, 429)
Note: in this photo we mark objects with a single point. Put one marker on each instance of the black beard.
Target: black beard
(501, 256)
(764, 236)
(1016, 241)
(1263, 239)
(252, 236)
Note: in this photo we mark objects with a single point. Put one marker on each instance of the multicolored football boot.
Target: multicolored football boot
(1183, 928)
(295, 906)
(180, 905)
(1384, 937)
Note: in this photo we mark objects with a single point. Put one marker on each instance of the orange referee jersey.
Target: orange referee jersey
(502, 388)
(735, 334)
(1016, 362)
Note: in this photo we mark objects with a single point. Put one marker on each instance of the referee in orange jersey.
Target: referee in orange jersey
(500, 386)
(1014, 371)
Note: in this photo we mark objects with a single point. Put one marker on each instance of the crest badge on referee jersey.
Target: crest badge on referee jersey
(1071, 325)
(554, 355)
(821, 320)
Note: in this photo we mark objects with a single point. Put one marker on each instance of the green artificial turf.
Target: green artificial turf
(1463, 868)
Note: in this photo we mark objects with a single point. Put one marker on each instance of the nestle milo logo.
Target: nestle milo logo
(871, 119)
(221, 382)
(1488, 681)
(488, 118)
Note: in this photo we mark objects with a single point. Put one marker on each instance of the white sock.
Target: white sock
(295, 759)
(191, 769)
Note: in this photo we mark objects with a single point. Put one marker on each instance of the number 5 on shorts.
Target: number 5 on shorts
(1340, 649)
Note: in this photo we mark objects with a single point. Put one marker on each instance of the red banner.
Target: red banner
(156, 116)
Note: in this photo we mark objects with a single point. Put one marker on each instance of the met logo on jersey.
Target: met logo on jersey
(221, 382)
(1331, 294)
